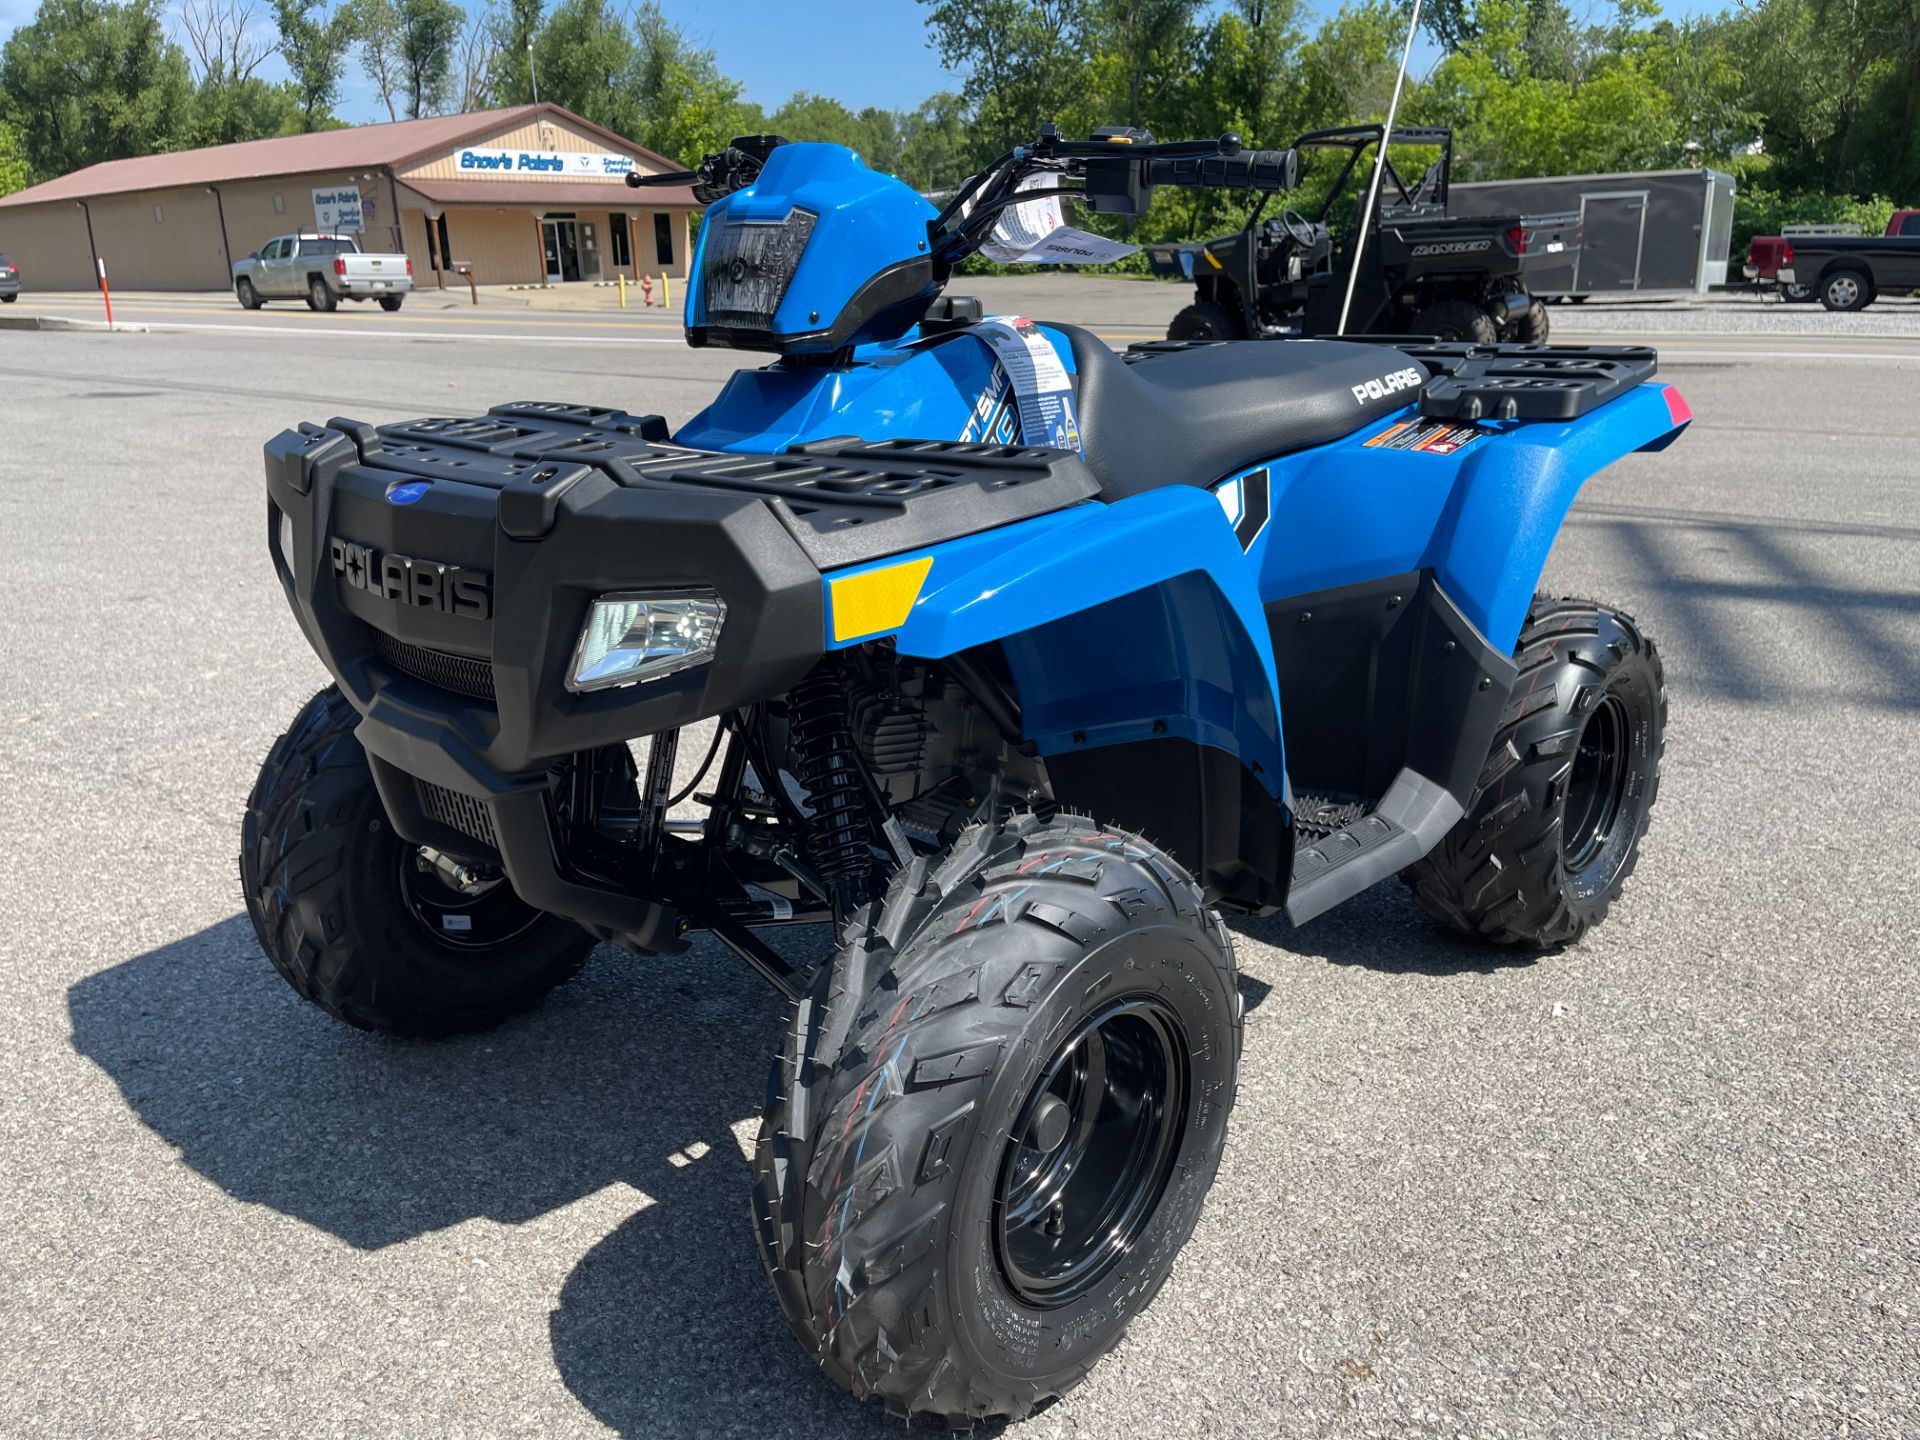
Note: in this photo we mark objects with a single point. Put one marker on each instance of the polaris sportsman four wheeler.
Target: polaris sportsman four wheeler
(1025, 662)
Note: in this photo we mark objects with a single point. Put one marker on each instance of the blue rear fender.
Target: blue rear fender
(1482, 519)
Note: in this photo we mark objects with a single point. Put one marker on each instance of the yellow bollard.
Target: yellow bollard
(623, 292)
(666, 292)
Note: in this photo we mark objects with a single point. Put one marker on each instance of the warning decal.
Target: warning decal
(1430, 437)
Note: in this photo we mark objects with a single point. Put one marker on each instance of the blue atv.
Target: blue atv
(1018, 661)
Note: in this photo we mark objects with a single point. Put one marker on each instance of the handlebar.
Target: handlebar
(1248, 170)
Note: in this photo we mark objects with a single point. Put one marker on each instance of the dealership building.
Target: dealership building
(529, 195)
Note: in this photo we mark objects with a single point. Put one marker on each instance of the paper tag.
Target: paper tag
(456, 922)
(1036, 232)
(1042, 389)
(781, 906)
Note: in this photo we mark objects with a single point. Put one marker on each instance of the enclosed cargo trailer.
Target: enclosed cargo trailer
(1648, 231)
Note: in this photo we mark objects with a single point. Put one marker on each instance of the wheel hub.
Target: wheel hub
(466, 906)
(1095, 1148)
(1597, 784)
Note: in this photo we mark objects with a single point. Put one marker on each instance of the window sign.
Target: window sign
(338, 210)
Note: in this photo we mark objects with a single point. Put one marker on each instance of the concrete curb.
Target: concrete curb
(60, 322)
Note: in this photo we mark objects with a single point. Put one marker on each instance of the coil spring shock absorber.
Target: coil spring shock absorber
(841, 832)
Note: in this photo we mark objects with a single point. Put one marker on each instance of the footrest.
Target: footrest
(1410, 820)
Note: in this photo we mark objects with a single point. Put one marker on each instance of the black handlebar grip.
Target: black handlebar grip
(1249, 170)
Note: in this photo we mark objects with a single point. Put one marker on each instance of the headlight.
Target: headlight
(631, 638)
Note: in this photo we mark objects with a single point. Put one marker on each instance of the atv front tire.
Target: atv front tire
(1459, 320)
(1555, 827)
(1206, 320)
(367, 926)
(996, 1116)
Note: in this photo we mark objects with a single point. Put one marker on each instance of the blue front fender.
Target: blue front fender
(1122, 622)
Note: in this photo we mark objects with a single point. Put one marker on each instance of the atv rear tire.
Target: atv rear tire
(358, 921)
(1555, 827)
(1534, 326)
(1459, 320)
(995, 993)
(1206, 320)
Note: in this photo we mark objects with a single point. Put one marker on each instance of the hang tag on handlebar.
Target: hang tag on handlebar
(1037, 233)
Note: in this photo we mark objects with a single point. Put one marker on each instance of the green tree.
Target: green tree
(1025, 63)
(93, 80)
(584, 55)
(314, 43)
(515, 24)
(429, 31)
(936, 151)
(13, 160)
(687, 107)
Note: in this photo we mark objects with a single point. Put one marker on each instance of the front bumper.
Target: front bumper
(465, 714)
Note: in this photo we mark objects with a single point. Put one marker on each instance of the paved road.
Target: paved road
(1663, 1183)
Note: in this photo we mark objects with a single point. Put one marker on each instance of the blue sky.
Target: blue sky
(862, 52)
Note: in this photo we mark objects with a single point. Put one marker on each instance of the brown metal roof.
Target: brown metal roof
(552, 194)
(361, 147)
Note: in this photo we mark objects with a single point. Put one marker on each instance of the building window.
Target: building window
(663, 238)
(158, 217)
(279, 203)
(620, 242)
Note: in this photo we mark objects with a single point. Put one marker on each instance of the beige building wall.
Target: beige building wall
(49, 244)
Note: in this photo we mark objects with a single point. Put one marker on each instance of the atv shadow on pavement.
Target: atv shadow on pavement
(643, 1073)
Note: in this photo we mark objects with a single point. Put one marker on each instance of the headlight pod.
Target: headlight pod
(642, 636)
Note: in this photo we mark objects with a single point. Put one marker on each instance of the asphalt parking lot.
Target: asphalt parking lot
(1663, 1183)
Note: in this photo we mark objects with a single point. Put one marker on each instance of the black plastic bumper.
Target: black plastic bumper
(457, 653)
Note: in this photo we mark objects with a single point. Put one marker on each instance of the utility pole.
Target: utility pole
(532, 74)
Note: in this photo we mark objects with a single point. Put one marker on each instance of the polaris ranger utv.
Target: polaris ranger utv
(1025, 663)
(1422, 272)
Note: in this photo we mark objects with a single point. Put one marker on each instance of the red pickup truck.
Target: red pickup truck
(1842, 272)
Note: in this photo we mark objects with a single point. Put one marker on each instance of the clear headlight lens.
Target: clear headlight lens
(632, 638)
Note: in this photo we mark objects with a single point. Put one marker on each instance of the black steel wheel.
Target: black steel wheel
(996, 1117)
(1088, 1159)
(1567, 793)
(372, 929)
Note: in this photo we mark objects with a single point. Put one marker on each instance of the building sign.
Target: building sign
(338, 210)
(579, 164)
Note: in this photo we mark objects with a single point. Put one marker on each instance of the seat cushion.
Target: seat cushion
(1194, 416)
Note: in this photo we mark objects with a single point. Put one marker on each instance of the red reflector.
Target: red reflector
(340, 265)
(1677, 407)
(1517, 237)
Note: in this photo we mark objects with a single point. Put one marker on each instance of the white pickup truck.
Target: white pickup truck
(322, 269)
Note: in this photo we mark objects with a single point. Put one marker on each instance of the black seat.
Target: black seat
(1194, 416)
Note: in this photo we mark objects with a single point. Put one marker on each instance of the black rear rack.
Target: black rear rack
(1520, 382)
(1493, 382)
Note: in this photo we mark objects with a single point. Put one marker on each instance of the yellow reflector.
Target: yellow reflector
(876, 600)
(1211, 261)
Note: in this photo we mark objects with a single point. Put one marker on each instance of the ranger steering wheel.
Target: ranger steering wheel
(1299, 229)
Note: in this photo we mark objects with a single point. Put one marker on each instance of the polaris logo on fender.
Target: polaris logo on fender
(1386, 385)
(426, 583)
(1451, 247)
